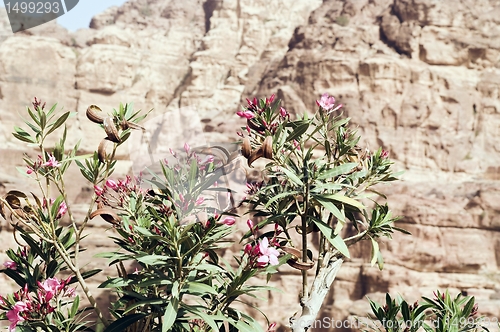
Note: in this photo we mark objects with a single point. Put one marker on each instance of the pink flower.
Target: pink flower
(250, 224)
(13, 315)
(270, 99)
(29, 171)
(51, 286)
(384, 154)
(283, 112)
(208, 159)
(187, 147)
(10, 265)
(248, 249)
(98, 190)
(52, 162)
(111, 184)
(63, 208)
(327, 103)
(199, 201)
(70, 292)
(229, 221)
(267, 254)
(246, 114)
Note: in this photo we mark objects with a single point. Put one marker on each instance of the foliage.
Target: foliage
(173, 227)
(443, 313)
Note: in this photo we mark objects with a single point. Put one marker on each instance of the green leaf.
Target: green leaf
(327, 204)
(85, 275)
(153, 259)
(59, 122)
(43, 120)
(193, 174)
(405, 311)
(380, 261)
(14, 276)
(74, 306)
(33, 116)
(121, 324)
(280, 196)
(336, 241)
(341, 169)
(34, 245)
(198, 288)
(52, 268)
(170, 314)
(209, 319)
(300, 129)
(115, 283)
(346, 200)
(241, 326)
(468, 307)
(25, 138)
(292, 176)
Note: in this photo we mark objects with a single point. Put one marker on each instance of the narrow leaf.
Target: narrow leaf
(336, 241)
(346, 200)
(59, 122)
(121, 324)
(341, 169)
(294, 178)
(170, 314)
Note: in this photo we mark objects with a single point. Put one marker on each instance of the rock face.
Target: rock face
(419, 77)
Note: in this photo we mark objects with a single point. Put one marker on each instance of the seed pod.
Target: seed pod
(253, 126)
(13, 201)
(92, 114)
(108, 215)
(246, 148)
(128, 124)
(101, 150)
(294, 261)
(268, 147)
(110, 129)
(18, 213)
(2, 212)
(265, 150)
(309, 229)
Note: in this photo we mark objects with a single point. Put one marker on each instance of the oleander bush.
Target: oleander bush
(174, 224)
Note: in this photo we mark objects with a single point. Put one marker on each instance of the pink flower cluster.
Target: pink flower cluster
(10, 265)
(116, 193)
(61, 210)
(264, 252)
(51, 162)
(35, 307)
(327, 103)
(190, 155)
(253, 113)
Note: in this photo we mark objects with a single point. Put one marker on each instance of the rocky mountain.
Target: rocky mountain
(419, 77)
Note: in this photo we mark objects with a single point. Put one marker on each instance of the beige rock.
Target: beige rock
(418, 77)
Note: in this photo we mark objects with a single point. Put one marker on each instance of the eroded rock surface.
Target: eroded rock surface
(419, 77)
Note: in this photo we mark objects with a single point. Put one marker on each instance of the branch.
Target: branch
(319, 290)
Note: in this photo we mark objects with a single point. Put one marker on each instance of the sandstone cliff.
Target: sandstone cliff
(419, 77)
